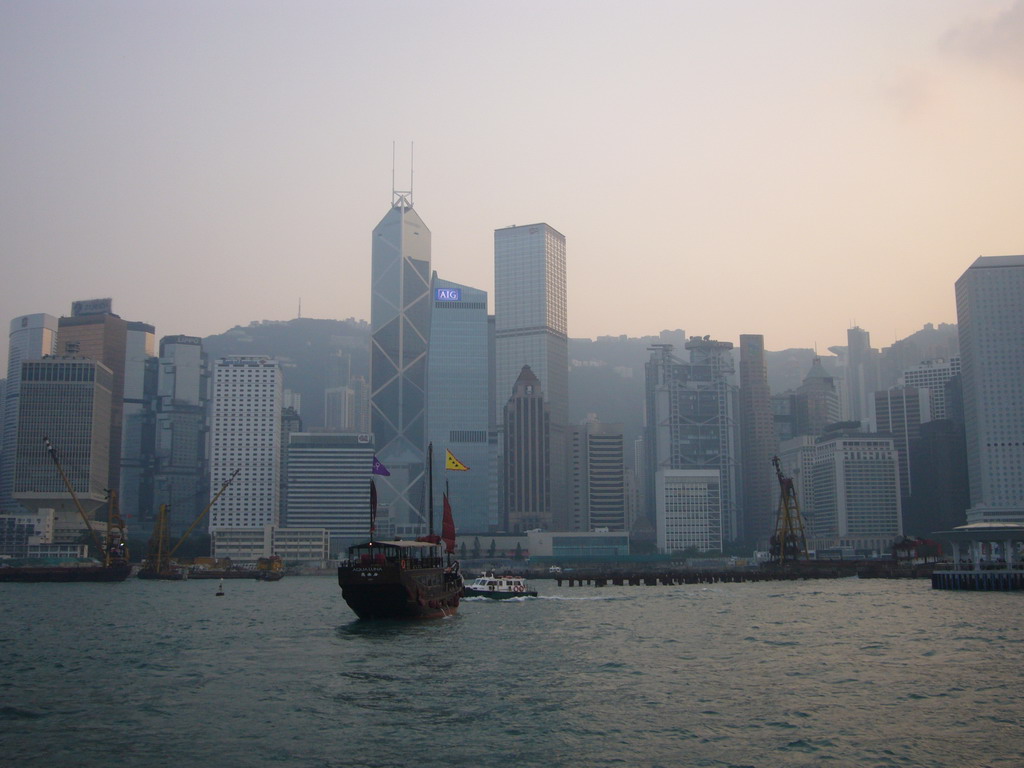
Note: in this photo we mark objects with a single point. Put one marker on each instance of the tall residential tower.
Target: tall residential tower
(245, 435)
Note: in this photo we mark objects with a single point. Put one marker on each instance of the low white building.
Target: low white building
(304, 545)
(689, 510)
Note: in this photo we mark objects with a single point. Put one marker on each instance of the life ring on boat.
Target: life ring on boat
(490, 587)
(518, 588)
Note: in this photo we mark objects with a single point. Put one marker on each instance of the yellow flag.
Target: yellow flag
(450, 462)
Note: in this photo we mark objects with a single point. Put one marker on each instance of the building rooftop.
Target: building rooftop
(985, 262)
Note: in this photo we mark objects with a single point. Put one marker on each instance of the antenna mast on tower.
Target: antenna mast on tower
(401, 198)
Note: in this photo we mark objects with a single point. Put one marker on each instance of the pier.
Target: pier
(790, 572)
(986, 558)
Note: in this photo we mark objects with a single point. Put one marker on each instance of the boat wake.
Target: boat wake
(576, 599)
(482, 599)
(544, 597)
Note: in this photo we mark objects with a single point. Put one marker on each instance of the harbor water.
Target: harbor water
(841, 672)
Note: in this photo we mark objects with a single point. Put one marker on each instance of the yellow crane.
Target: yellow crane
(788, 544)
(115, 550)
(158, 561)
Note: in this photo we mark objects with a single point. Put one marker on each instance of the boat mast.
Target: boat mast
(430, 486)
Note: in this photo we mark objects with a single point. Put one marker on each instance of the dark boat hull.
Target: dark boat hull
(387, 592)
(29, 573)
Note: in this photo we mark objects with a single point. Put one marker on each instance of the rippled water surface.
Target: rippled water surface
(840, 673)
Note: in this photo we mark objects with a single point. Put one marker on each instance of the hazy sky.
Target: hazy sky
(725, 167)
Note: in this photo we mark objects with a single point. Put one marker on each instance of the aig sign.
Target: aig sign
(447, 294)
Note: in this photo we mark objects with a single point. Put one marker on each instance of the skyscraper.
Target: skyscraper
(531, 329)
(938, 473)
(862, 376)
(32, 337)
(138, 425)
(459, 405)
(603, 477)
(856, 495)
(180, 453)
(95, 332)
(245, 435)
(328, 482)
(527, 470)
(899, 413)
(67, 400)
(933, 375)
(758, 441)
(990, 318)
(400, 312)
(692, 424)
(818, 397)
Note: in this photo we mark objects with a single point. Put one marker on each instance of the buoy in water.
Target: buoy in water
(220, 589)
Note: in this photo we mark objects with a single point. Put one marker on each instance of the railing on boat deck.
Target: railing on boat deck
(404, 563)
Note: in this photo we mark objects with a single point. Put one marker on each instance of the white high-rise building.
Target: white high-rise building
(856, 493)
(245, 435)
(990, 319)
(32, 337)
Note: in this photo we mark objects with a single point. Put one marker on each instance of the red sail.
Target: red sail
(448, 527)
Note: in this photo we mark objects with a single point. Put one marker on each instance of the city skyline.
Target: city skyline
(793, 152)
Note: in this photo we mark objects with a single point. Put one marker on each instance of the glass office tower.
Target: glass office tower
(400, 321)
(459, 403)
(531, 328)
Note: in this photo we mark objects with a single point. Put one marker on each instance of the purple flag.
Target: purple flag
(379, 469)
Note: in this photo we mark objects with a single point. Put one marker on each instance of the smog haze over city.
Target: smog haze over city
(784, 168)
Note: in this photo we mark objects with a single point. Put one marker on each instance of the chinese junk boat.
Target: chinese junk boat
(402, 579)
(498, 587)
(399, 580)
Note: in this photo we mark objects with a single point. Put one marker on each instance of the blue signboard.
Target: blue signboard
(447, 294)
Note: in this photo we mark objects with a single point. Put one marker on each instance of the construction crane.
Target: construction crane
(115, 550)
(788, 544)
(158, 562)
